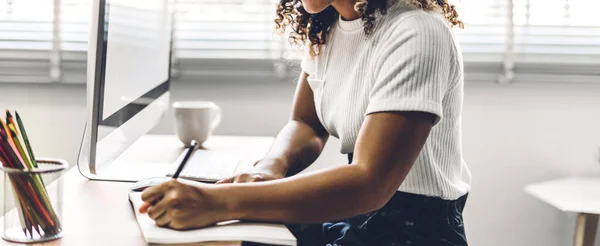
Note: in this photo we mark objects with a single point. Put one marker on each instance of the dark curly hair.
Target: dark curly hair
(312, 29)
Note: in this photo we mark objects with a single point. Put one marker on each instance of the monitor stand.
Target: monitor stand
(156, 155)
(149, 156)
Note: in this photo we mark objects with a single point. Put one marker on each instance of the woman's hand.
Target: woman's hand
(183, 205)
(263, 170)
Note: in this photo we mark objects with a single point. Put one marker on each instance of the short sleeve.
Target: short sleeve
(308, 63)
(413, 70)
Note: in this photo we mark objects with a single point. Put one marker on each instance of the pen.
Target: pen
(188, 154)
(190, 150)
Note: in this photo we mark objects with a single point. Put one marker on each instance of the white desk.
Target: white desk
(98, 213)
(577, 195)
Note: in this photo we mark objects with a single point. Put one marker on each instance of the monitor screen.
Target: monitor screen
(128, 76)
(137, 53)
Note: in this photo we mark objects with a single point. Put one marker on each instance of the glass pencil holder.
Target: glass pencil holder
(33, 202)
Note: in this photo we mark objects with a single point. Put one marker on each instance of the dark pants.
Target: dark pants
(406, 219)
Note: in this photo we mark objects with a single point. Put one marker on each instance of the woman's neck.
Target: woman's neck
(346, 9)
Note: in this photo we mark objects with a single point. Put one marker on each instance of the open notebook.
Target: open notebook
(273, 234)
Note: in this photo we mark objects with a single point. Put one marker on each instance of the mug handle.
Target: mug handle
(216, 117)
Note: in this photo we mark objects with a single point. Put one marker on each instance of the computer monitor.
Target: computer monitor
(128, 78)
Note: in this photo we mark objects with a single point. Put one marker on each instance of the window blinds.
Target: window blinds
(45, 41)
(557, 40)
(531, 40)
(233, 37)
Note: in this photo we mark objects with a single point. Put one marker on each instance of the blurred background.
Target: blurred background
(532, 92)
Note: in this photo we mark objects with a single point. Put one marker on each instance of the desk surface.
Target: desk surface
(572, 194)
(98, 213)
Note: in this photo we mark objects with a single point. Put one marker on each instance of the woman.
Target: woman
(384, 76)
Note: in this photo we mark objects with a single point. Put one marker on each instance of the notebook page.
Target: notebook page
(228, 231)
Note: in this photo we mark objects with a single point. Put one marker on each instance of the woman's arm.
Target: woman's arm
(297, 145)
(386, 149)
(387, 146)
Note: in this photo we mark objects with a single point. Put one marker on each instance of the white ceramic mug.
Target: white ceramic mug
(195, 120)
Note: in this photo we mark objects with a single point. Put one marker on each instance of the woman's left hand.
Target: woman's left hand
(181, 205)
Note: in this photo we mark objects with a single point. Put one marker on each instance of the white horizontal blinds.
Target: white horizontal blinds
(26, 24)
(484, 35)
(552, 40)
(41, 43)
(535, 41)
(226, 29)
(483, 39)
(74, 34)
(561, 27)
(227, 37)
(557, 40)
(25, 40)
(75, 17)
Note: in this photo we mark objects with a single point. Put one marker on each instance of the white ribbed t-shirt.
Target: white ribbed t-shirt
(412, 62)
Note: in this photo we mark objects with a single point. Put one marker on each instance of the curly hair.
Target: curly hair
(312, 29)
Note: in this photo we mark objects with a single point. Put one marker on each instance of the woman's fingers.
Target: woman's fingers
(144, 208)
(226, 181)
(158, 209)
(150, 195)
(163, 220)
(244, 178)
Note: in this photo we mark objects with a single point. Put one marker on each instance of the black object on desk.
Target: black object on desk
(193, 146)
(146, 183)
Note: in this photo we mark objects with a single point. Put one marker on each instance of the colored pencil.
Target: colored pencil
(10, 156)
(29, 208)
(17, 137)
(4, 127)
(22, 217)
(6, 134)
(6, 162)
(33, 203)
(36, 201)
(19, 143)
(20, 195)
(9, 118)
(26, 139)
(25, 222)
(20, 148)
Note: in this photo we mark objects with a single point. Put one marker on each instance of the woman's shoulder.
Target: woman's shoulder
(404, 19)
(414, 32)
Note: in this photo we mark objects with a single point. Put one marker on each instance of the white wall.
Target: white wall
(513, 135)
(517, 135)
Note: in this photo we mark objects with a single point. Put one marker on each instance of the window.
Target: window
(233, 37)
(531, 40)
(36, 47)
(45, 41)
